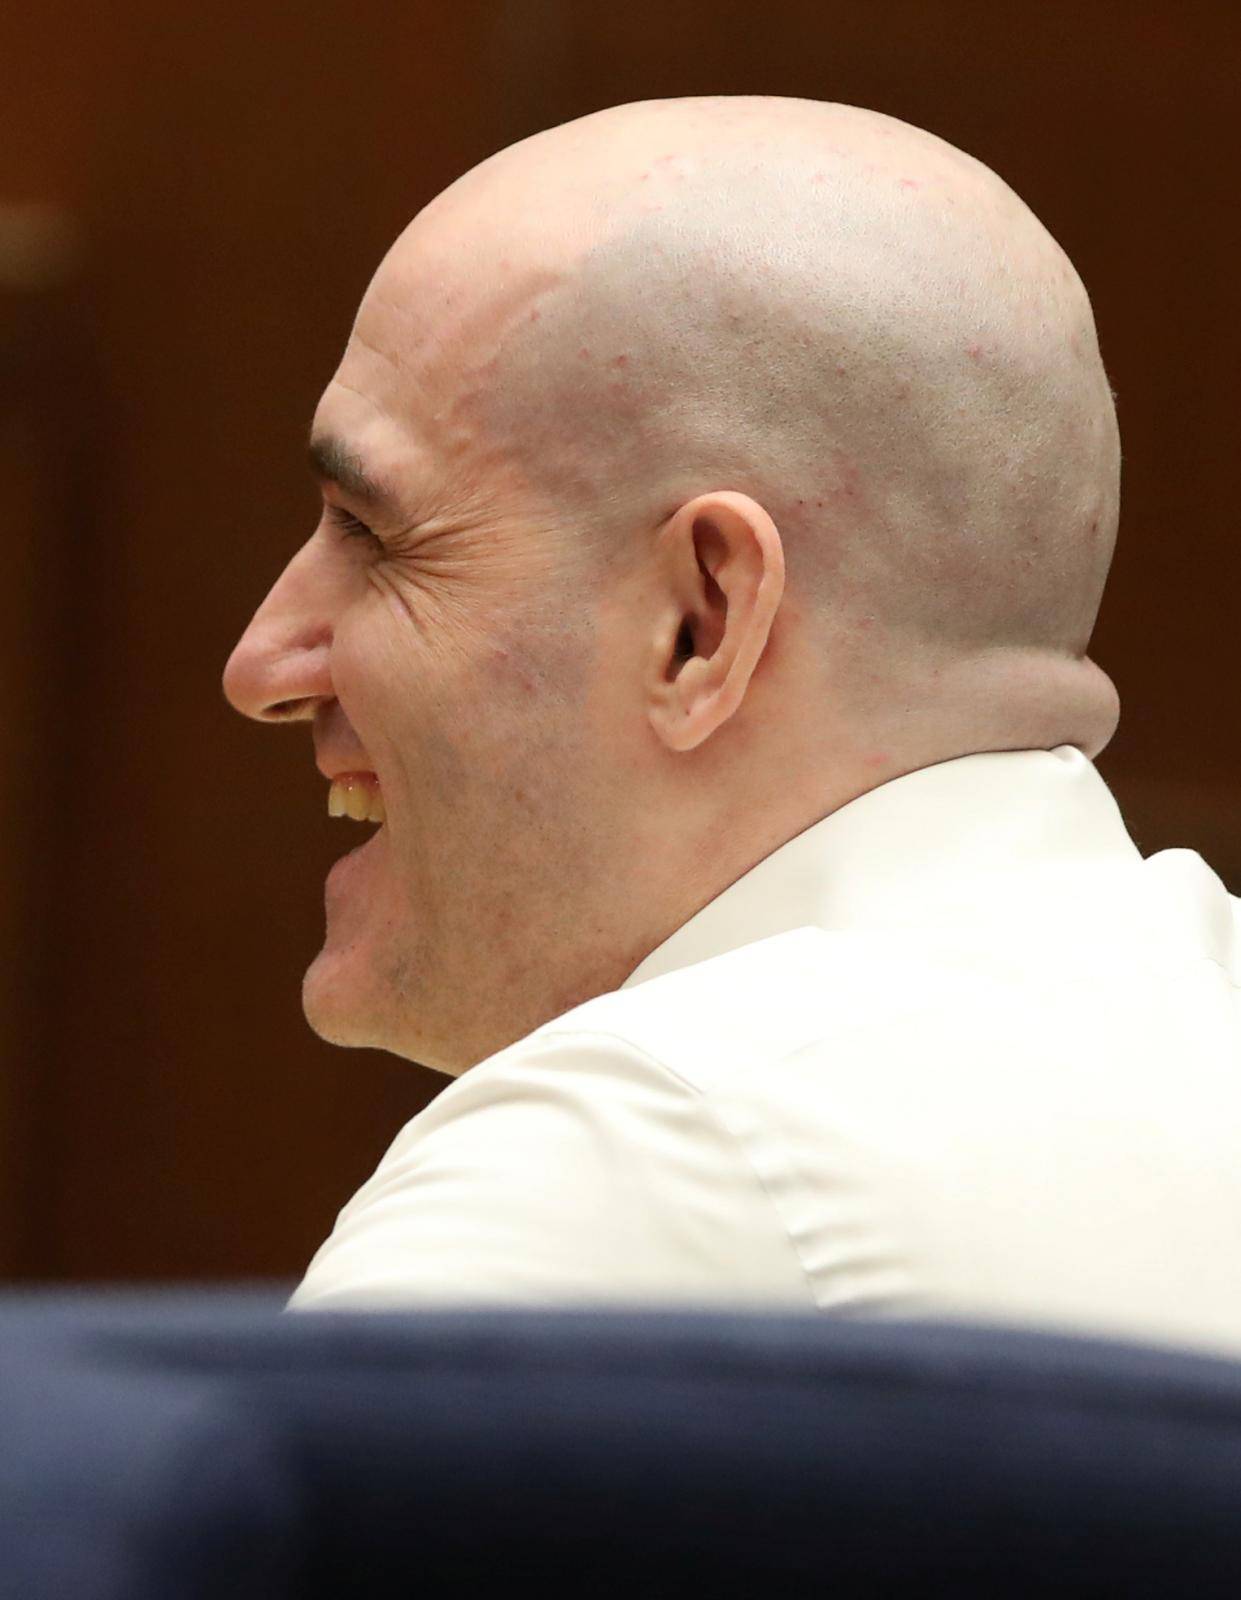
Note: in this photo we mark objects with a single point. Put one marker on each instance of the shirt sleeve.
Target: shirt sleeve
(570, 1167)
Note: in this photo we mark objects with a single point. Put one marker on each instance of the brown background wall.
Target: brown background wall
(230, 175)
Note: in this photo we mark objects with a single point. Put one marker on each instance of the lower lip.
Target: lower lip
(349, 861)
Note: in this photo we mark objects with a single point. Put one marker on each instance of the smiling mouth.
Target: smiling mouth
(356, 795)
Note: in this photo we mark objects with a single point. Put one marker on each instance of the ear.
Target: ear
(721, 581)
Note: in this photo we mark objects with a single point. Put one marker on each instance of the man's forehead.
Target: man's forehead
(456, 277)
(428, 347)
(408, 404)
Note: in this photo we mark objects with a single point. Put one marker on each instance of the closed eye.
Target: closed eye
(349, 525)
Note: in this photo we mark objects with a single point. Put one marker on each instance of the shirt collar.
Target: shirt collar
(947, 843)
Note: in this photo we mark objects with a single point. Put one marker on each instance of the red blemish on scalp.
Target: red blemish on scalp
(909, 183)
(974, 352)
(874, 758)
(621, 361)
(583, 352)
(535, 314)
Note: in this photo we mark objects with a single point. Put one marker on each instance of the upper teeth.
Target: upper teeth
(356, 795)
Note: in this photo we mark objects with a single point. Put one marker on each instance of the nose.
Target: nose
(279, 670)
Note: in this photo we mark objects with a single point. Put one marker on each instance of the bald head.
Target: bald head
(822, 307)
(691, 469)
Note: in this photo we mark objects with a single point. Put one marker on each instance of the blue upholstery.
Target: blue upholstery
(162, 1445)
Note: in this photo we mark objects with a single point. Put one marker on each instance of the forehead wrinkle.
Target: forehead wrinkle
(390, 358)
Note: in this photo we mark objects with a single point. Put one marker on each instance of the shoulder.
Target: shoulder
(734, 1001)
(767, 1000)
(569, 1165)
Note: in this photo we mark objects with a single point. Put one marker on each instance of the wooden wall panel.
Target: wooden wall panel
(23, 789)
(45, 379)
(237, 171)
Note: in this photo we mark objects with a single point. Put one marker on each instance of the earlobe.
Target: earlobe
(724, 575)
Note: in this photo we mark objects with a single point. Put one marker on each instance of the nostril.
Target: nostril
(283, 708)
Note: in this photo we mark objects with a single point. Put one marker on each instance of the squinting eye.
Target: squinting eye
(348, 524)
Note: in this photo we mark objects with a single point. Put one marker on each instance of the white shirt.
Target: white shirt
(955, 1049)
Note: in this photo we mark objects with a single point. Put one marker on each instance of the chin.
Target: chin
(344, 1009)
(337, 1008)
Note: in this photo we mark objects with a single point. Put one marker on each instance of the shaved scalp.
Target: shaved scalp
(840, 315)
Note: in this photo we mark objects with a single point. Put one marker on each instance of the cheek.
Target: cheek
(376, 670)
(408, 684)
(489, 698)
(396, 607)
(510, 678)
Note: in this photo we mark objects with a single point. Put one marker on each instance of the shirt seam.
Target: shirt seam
(717, 1115)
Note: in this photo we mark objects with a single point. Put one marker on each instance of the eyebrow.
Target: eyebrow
(334, 461)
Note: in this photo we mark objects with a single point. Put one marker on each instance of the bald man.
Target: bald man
(717, 499)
